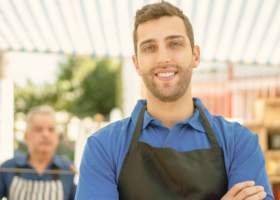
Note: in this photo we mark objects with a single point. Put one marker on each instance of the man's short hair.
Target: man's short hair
(44, 109)
(157, 10)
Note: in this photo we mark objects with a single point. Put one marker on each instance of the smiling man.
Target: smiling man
(171, 147)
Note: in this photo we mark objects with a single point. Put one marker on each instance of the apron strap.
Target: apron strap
(206, 124)
(55, 176)
(53, 166)
(18, 171)
(137, 130)
(207, 127)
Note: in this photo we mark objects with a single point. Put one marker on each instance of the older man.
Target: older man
(171, 147)
(41, 139)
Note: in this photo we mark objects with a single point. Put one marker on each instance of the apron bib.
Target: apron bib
(25, 189)
(166, 174)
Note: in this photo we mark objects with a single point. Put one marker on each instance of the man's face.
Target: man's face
(164, 57)
(42, 136)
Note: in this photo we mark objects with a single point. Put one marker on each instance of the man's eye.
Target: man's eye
(175, 44)
(148, 48)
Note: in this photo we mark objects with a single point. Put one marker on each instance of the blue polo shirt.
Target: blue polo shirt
(105, 150)
(6, 178)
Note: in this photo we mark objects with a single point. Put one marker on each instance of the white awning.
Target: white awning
(242, 31)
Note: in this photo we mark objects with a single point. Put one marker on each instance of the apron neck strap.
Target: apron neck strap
(207, 127)
(137, 130)
(135, 137)
(206, 124)
(18, 171)
(53, 166)
(55, 176)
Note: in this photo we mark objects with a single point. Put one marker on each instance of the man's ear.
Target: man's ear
(58, 138)
(26, 138)
(196, 56)
(134, 59)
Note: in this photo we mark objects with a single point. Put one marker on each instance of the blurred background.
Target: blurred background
(75, 55)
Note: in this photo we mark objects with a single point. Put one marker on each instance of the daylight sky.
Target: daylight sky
(38, 67)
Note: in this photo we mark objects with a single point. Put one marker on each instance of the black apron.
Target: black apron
(166, 174)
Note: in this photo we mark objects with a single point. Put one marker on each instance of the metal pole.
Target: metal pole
(6, 111)
(131, 85)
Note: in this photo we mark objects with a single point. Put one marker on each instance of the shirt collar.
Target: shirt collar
(194, 121)
(135, 113)
(56, 160)
(23, 160)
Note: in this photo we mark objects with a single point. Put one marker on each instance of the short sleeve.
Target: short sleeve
(97, 173)
(248, 162)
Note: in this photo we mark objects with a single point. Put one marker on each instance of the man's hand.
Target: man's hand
(245, 191)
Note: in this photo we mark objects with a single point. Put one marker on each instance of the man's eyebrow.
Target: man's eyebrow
(174, 37)
(167, 38)
(147, 41)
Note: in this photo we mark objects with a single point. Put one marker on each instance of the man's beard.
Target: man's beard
(168, 93)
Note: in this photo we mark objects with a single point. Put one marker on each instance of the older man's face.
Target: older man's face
(42, 136)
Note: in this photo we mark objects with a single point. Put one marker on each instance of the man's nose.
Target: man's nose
(163, 56)
(46, 132)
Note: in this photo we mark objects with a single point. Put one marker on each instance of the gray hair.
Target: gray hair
(44, 109)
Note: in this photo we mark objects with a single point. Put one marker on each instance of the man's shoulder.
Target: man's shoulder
(232, 128)
(112, 136)
(221, 121)
(13, 162)
(112, 130)
(228, 123)
(63, 163)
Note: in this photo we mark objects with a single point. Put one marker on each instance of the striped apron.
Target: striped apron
(24, 189)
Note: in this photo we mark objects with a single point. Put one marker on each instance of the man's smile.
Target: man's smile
(166, 74)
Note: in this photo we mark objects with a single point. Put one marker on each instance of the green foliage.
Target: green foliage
(84, 87)
(98, 91)
(32, 95)
(66, 149)
(119, 90)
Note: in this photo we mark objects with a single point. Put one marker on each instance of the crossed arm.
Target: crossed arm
(245, 191)
(98, 174)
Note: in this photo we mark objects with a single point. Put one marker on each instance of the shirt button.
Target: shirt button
(167, 145)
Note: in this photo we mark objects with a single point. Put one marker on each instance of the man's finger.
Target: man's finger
(250, 191)
(238, 187)
(74, 169)
(258, 196)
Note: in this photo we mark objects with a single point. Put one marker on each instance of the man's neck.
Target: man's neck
(173, 112)
(40, 161)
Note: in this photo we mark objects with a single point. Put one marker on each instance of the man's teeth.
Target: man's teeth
(166, 74)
